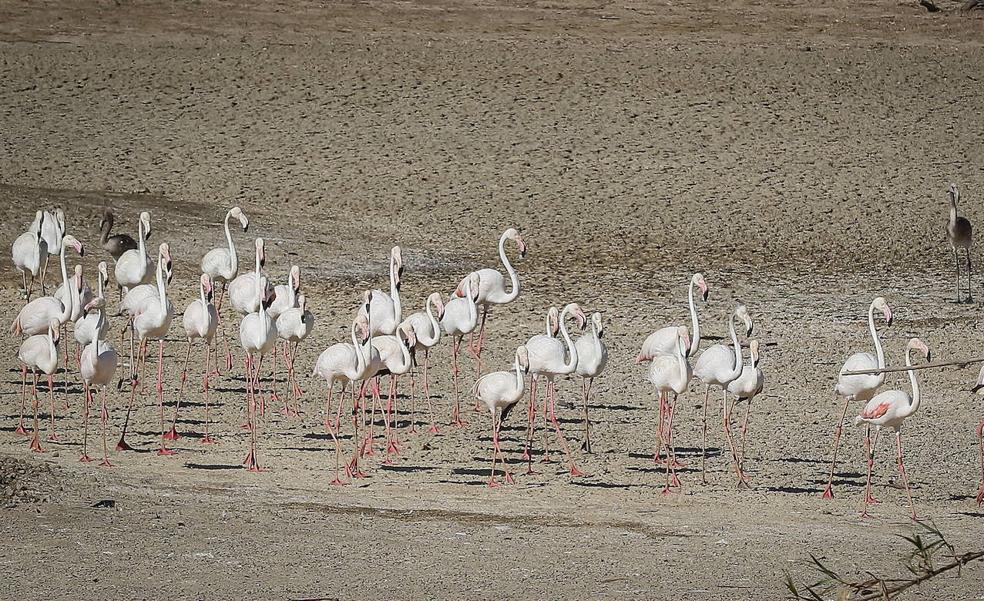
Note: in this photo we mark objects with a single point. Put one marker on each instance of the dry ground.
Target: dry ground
(797, 154)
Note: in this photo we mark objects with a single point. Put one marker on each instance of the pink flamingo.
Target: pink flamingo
(859, 388)
(293, 326)
(258, 336)
(427, 331)
(37, 315)
(40, 353)
(663, 340)
(592, 357)
(890, 409)
(200, 321)
(395, 360)
(745, 388)
(502, 390)
(97, 365)
(460, 318)
(27, 251)
(386, 310)
(53, 232)
(222, 265)
(670, 373)
(134, 266)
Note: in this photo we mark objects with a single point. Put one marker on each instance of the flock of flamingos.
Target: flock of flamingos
(387, 342)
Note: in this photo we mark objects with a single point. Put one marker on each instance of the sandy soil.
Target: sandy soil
(795, 154)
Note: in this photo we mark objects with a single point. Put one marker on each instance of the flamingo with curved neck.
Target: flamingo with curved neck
(663, 340)
(35, 316)
(427, 331)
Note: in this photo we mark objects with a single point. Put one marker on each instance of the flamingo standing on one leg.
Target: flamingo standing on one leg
(961, 235)
(980, 438)
(40, 353)
(890, 409)
(293, 326)
(97, 365)
(222, 265)
(592, 357)
(859, 388)
(427, 332)
(670, 373)
(745, 388)
(386, 310)
(549, 358)
(258, 336)
(27, 251)
(492, 290)
(460, 318)
(134, 266)
(200, 321)
(663, 340)
(719, 366)
(502, 390)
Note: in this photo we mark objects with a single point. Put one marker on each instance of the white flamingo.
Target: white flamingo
(427, 331)
(890, 409)
(53, 232)
(200, 321)
(97, 365)
(549, 358)
(294, 325)
(151, 321)
(718, 366)
(346, 364)
(134, 267)
(27, 251)
(460, 318)
(978, 388)
(386, 310)
(258, 336)
(670, 374)
(663, 340)
(502, 390)
(592, 357)
(40, 353)
(285, 296)
(94, 323)
(395, 359)
(859, 388)
(222, 264)
(243, 294)
(745, 388)
(36, 315)
(493, 288)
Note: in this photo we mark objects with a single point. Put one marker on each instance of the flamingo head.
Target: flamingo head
(237, 213)
(979, 387)
(553, 321)
(920, 346)
(953, 193)
(78, 277)
(523, 358)
(514, 235)
(754, 351)
(880, 304)
(362, 327)
(70, 240)
(597, 323)
(741, 312)
(53, 327)
(97, 303)
(396, 260)
(145, 220)
(409, 335)
(103, 272)
(474, 282)
(295, 277)
(261, 251)
(366, 299)
(698, 280)
(208, 289)
(578, 313)
(164, 252)
(39, 224)
(683, 333)
(435, 299)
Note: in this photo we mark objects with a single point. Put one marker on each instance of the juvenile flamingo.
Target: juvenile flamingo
(293, 326)
(200, 321)
(116, 244)
(40, 353)
(859, 388)
(670, 373)
(502, 390)
(961, 235)
(427, 331)
(460, 318)
(386, 310)
(258, 336)
(27, 251)
(663, 340)
(890, 409)
(592, 357)
(97, 365)
(134, 266)
(745, 388)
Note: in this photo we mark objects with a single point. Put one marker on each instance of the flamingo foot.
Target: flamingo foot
(526, 455)
(531, 472)
(172, 434)
(458, 422)
(493, 483)
(980, 495)
(870, 499)
(207, 440)
(246, 425)
(576, 473)
(165, 452)
(508, 479)
(666, 491)
(675, 480)
(122, 446)
(53, 437)
(84, 458)
(393, 447)
(105, 463)
(433, 429)
(20, 429)
(250, 463)
(865, 515)
(36, 444)
(338, 482)
(353, 471)
(828, 493)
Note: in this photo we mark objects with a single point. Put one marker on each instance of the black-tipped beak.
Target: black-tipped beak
(749, 332)
(976, 388)
(705, 296)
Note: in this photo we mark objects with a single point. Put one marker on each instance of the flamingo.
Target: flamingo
(258, 336)
(40, 353)
(961, 235)
(242, 290)
(94, 324)
(346, 364)
(116, 244)
(548, 359)
(27, 251)
(35, 316)
(663, 341)
(859, 388)
(293, 326)
(134, 266)
(719, 366)
(502, 390)
(222, 264)
(200, 321)
(746, 387)
(670, 373)
(151, 321)
(493, 288)
(460, 318)
(53, 232)
(386, 310)
(980, 437)
(427, 332)
(395, 360)
(890, 409)
(592, 357)
(97, 364)
(284, 297)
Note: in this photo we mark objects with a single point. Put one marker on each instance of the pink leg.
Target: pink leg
(980, 442)
(586, 389)
(665, 443)
(703, 437)
(206, 438)
(828, 493)
(20, 422)
(393, 446)
(433, 429)
(506, 476)
(905, 477)
(456, 414)
(413, 400)
(172, 434)
(670, 448)
(84, 458)
(552, 393)
(36, 437)
(337, 481)
(742, 480)
(104, 421)
(530, 426)
(492, 482)
(52, 435)
(122, 444)
(163, 450)
(358, 410)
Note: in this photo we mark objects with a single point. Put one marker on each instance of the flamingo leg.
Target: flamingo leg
(433, 429)
(27, 291)
(206, 439)
(703, 437)
(122, 444)
(20, 422)
(905, 476)
(84, 458)
(506, 476)
(670, 448)
(358, 411)
(274, 395)
(980, 443)
(413, 400)
(334, 436)
(546, 423)
(64, 341)
(492, 482)
(586, 386)
(970, 274)
(828, 493)
(739, 472)
(44, 273)
(551, 387)
(296, 389)
(387, 419)
(172, 434)
(394, 444)
(369, 443)
(52, 435)
(163, 450)
(869, 452)
(956, 261)
(327, 421)
(481, 341)
(456, 413)
(744, 428)
(530, 426)
(36, 437)
(664, 442)
(104, 421)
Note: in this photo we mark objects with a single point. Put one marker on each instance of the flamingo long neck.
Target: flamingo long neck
(69, 288)
(233, 258)
(571, 363)
(953, 210)
(470, 301)
(519, 375)
(395, 292)
(161, 290)
(914, 405)
(140, 238)
(256, 267)
(360, 358)
(879, 353)
(513, 276)
(694, 323)
(291, 291)
(52, 347)
(201, 296)
(404, 350)
(597, 339)
(734, 341)
(106, 228)
(422, 338)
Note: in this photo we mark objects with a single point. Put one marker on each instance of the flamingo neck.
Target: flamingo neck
(233, 258)
(395, 292)
(694, 323)
(140, 238)
(256, 267)
(571, 363)
(734, 341)
(597, 338)
(404, 350)
(201, 295)
(67, 307)
(513, 276)
(432, 340)
(519, 375)
(360, 358)
(470, 301)
(291, 291)
(914, 405)
(879, 353)
(683, 369)
(161, 290)
(107, 227)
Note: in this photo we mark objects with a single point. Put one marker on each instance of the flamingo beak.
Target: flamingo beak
(79, 248)
(582, 321)
(522, 246)
(888, 315)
